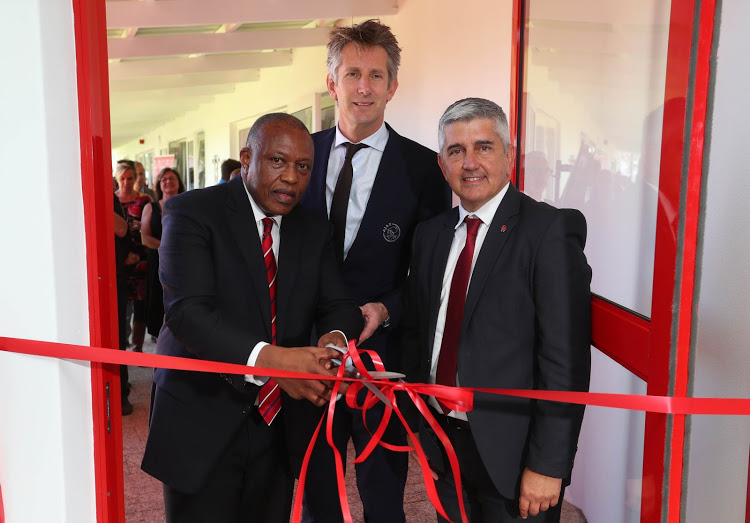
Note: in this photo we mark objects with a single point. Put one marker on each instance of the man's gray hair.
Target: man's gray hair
(368, 34)
(470, 109)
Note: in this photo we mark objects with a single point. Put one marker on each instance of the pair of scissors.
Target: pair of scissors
(376, 375)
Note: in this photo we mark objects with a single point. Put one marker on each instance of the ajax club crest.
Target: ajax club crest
(391, 232)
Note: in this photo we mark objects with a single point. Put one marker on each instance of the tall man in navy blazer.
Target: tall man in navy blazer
(219, 459)
(396, 183)
(518, 318)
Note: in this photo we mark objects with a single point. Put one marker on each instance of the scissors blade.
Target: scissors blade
(372, 388)
(385, 375)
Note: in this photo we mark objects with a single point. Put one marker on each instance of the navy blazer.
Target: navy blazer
(526, 325)
(217, 307)
(409, 187)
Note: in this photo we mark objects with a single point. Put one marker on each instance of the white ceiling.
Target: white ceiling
(169, 56)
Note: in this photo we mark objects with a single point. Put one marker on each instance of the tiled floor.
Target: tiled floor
(143, 497)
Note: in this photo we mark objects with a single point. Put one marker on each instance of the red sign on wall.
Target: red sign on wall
(160, 162)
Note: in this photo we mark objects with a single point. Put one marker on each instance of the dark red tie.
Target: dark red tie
(269, 398)
(454, 316)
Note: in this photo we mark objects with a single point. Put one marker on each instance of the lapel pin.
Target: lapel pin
(503, 228)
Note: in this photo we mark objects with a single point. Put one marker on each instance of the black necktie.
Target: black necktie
(340, 201)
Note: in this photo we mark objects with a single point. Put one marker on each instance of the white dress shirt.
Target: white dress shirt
(259, 215)
(365, 166)
(485, 213)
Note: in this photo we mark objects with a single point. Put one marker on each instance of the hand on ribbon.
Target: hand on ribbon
(310, 360)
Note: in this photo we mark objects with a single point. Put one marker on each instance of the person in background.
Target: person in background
(374, 186)
(133, 204)
(141, 183)
(168, 184)
(227, 168)
(498, 297)
(122, 252)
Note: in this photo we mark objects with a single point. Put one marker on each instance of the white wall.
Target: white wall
(718, 445)
(448, 54)
(46, 428)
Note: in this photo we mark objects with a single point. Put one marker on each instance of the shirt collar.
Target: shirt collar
(376, 140)
(487, 211)
(258, 214)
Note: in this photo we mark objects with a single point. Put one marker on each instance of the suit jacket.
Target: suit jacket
(526, 325)
(217, 307)
(409, 188)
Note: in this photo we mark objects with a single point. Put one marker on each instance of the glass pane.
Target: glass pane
(327, 111)
(611, 440)
(179, 150)
(594, 89)
(193, 180)
(305, 116)
(201, 160)
(242, 137)
(147, 160)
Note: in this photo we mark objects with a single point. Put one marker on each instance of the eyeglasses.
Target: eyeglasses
(171, 179)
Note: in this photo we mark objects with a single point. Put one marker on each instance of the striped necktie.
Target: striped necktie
(269, 398)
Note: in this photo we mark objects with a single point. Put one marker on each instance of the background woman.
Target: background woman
(168, 184)
(133, 203)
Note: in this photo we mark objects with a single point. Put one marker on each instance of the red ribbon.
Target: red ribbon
(458, 398)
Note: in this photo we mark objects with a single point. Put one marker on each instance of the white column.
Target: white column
(46, 428)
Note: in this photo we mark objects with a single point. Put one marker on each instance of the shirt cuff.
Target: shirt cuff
(256, 380)
(344, 335)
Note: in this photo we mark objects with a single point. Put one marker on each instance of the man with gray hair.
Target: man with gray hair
(374, 186)
(498, 297)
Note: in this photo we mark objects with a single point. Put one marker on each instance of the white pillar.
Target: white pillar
(46, 427)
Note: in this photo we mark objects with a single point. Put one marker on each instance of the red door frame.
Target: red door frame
(663, 344)
(96, 181)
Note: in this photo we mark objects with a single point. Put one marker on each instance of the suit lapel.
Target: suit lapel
(317, 188)
(245, 235)
(390, 174)
(439, 261)
(291, 251)
(503, 223)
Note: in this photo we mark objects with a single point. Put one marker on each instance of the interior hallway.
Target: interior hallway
(143, 494)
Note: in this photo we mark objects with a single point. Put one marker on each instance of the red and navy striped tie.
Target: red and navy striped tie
(269, 399)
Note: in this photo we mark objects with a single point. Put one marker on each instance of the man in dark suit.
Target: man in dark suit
(213, 440)
(498, 297)
(375, 186)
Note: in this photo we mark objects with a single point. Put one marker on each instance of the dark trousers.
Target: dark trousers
(122, 305)
(482, 502)
(251, 482)
(380, 479)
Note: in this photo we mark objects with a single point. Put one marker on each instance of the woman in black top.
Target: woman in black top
(168, 184)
